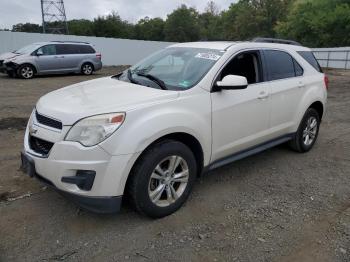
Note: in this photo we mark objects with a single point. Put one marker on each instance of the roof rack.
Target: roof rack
(275, 40)
(80, 42)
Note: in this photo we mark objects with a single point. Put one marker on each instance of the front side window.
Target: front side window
(280, 64)
(245, 64)
(177, 68)
(48, 50)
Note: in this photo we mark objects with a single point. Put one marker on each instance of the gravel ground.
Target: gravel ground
(275, 206)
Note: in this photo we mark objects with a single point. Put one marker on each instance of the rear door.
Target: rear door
(286, 86)
(70, 57)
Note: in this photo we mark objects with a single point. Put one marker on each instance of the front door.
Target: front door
(240, 118)
(47, 60)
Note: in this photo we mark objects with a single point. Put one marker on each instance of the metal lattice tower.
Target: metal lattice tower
(54, 17)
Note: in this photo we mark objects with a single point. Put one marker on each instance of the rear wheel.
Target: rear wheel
(26, 71)
(162, 179)
(87, 69)
(307, 133)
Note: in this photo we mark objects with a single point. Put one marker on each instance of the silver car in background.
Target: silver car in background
(51, 58)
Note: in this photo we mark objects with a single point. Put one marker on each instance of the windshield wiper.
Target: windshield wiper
(155, 79)
(131, 79)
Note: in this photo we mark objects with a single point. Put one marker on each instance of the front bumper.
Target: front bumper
(9, 67)
(66, 160)
(106, 205)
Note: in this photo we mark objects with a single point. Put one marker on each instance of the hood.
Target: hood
(9, 55)
(99, 96)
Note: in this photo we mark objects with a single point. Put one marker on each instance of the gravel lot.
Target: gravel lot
(275, 206)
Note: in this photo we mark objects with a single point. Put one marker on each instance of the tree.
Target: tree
(209, 23)
(27, 27)
(81, 27)
(150, 29)
(250, 18)
(112, 26)
(182, 25)
(320, 23)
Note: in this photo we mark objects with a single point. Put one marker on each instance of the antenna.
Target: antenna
(54, 17)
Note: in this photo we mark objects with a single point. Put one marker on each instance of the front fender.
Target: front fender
(143, 126)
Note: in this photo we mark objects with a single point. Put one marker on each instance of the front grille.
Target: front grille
(40, 146)
(47, 121)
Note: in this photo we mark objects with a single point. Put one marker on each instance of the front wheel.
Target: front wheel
(162, 179)
(26, 71)
(307, 133)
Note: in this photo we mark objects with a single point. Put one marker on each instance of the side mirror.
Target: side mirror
(39, 53)
(232, 82)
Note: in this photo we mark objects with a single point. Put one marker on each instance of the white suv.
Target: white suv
(147, 133)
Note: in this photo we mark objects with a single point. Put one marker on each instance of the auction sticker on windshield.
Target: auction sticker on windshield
(210, 56)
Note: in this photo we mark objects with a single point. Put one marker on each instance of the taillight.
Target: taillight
(99, 56)
(326, 81)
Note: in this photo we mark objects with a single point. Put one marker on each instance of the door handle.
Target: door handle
(263, 95)
(59, 56)
(301, 85)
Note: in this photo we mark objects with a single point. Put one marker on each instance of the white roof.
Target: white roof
(219, 45)
(223, 45)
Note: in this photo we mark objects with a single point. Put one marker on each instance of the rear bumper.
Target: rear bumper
(97, 204)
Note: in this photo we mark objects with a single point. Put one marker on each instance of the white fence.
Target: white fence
(127, 52)
(114, 51)
(333, 57)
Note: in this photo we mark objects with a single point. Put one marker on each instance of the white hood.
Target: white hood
(103, 95)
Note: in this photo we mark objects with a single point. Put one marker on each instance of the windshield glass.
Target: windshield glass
(27, 49)
(175, 68)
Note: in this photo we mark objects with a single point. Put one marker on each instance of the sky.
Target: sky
(21, 11)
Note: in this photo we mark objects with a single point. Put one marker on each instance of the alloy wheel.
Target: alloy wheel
(310, 131)
(27, 72)
(168, 181)
(87, 69)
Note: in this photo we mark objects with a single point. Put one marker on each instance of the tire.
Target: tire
(307, 133)
(153, 189)
(87, 69)
(26, 71)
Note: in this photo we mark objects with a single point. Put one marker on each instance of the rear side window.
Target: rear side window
(310, 58)
(64, 49)
(86, 49)
(281, 65)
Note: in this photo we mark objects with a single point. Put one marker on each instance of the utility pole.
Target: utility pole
(54, 17)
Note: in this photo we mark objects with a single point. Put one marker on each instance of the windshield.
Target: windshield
(175, 68)
(27, 49)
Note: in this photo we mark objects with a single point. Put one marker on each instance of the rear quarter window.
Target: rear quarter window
(311, 59)
(86, 49)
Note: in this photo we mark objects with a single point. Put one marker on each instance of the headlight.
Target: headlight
(93, 130)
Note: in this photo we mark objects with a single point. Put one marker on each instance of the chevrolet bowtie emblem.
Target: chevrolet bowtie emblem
(32, 130)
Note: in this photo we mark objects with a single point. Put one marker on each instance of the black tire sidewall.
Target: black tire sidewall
(82, 69)
(309, 113)
(20, 69)
(148, 164)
